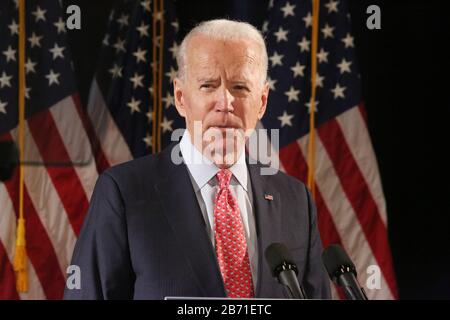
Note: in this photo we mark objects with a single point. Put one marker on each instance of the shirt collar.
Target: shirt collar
(203, 169)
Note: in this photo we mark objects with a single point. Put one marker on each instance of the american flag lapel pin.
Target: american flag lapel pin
(268, 197)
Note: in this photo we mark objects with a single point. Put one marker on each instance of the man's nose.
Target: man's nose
(225, 99)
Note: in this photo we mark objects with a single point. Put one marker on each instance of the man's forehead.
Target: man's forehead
(213, 72)
(202, 47)
(206, 54)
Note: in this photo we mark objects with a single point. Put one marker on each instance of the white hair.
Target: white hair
(223, 29)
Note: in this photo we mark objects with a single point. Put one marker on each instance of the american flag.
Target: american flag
(60, 173)
(349, 195)
(121, 99)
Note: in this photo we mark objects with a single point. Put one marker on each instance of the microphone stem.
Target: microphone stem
(352, 289)
(289, 279)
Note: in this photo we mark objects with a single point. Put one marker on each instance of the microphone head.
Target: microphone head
(279, 258)
(337, 262)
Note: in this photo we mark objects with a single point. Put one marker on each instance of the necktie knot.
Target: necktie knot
(224, 177)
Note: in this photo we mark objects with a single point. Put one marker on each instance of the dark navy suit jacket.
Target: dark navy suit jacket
(144, 236)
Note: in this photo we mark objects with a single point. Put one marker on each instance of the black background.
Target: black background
(406, 92)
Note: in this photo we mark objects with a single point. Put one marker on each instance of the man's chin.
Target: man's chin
(224, 152)
(225, 161)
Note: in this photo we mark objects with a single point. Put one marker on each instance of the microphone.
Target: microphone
(342, 271)
(284, 269)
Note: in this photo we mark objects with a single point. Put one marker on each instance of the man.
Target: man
(157, 227)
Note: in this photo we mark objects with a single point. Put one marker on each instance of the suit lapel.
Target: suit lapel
(184, 215)
(268, 221)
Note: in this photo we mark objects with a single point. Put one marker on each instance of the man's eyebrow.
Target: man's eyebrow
(207, 79)
(240, 79)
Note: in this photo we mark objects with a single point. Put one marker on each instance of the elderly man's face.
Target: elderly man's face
(224, 91)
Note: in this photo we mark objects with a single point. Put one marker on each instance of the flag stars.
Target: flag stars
(148, 141)
(348, 41)
(322, 56)
(119, 45)
(105, 41)
(149, 116)
(332, 6)
(319, 80)
(308, 105)
(344, 66)
(39, 14)
(57, 51)
(158, 16)
(14, 28)
(298, 70)
(292, 94)
(174, 49)
(281, 34)
(29, 66)
(157, 41)
(271, 83)
(27, 93)
(338, 91)
(5, 80)
(116, 71)
(166, 125)
(146, 5)
(288, 10)
(143, 29)
(123, 20)
(276, 59)
(308, 20)
(140, 55)
(168, 100)
(304, 44)
(137, 80)
(10, 54)
(176, 26)
(327, 31)
(265, 27)
(52, 78)
(60, 26)
(111, 16)
(134, 105)
(3, 107)
(172, 74)
(286, 119)
(35, 41)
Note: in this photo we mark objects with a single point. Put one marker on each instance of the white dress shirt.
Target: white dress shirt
(202, 172)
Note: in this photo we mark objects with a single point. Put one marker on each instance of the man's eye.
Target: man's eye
(240, 87)
(206, 86)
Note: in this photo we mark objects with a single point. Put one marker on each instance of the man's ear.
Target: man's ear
(264, 99)
(178, 87)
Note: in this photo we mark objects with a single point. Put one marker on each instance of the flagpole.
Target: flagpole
(154, 80)
(160, 74)
(312, 102)
(20, 256)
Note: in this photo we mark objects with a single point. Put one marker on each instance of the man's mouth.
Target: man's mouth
(221, 127)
